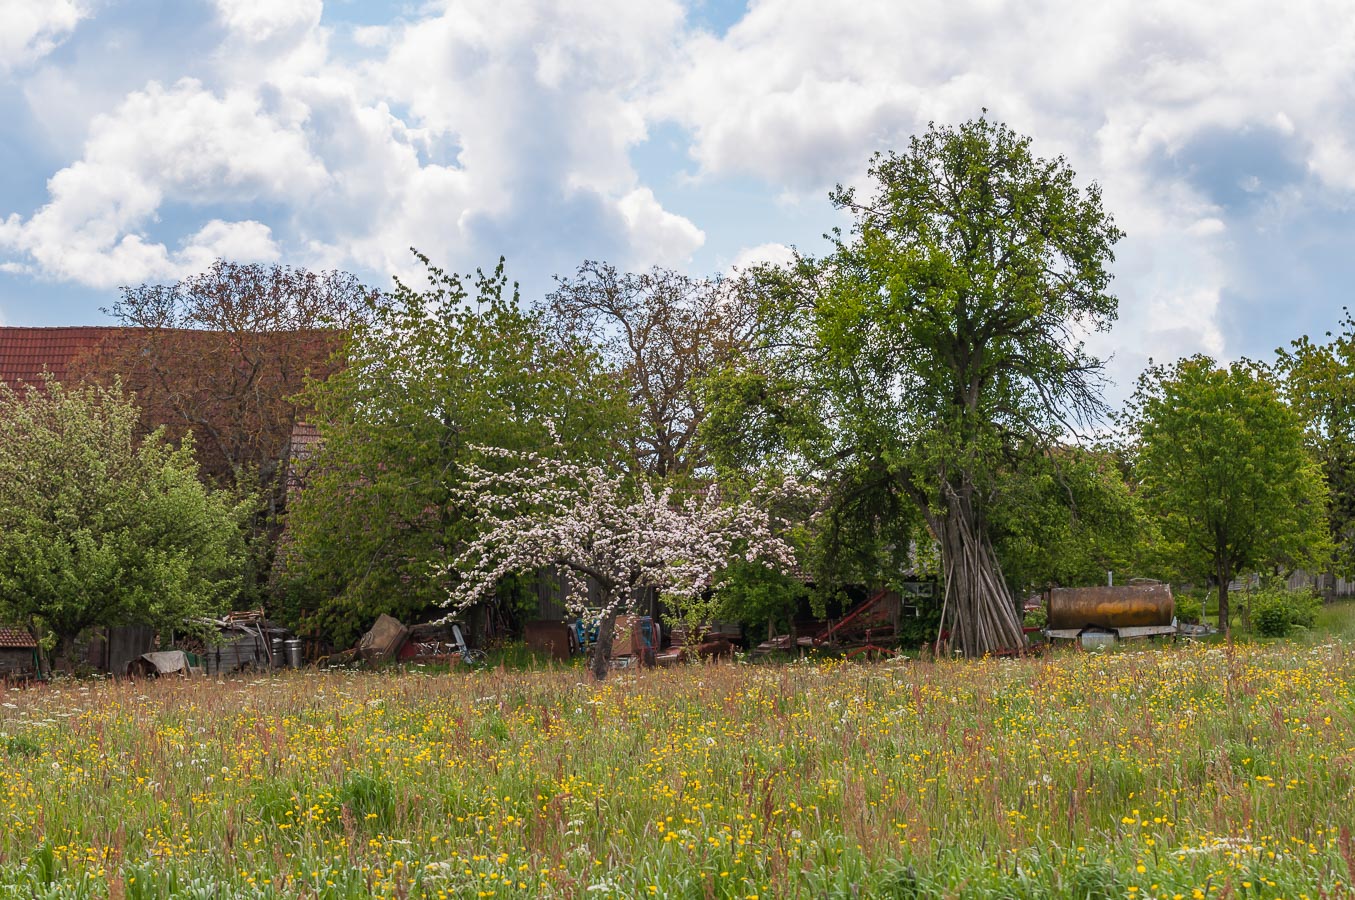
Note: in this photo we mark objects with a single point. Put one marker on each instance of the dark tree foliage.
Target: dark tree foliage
(1067, 518)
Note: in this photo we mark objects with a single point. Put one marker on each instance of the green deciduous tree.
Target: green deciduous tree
(940, 337)
(1067, 518)
(430, 375)
(1220, 459)
(101, 527)
(1319, 383)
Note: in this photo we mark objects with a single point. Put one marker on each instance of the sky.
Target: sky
(143, 140)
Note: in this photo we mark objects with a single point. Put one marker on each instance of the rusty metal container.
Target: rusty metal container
(1130, 606)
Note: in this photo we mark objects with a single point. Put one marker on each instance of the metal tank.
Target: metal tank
(1128, 607)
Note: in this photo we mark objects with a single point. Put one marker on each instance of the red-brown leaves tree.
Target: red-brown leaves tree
(223, 354)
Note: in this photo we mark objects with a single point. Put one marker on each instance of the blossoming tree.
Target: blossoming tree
(539, 511)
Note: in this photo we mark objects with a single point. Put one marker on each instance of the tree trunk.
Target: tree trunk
(44, 661)
(602, 650)
(65, 653)
(982, 615)
(1224, 577)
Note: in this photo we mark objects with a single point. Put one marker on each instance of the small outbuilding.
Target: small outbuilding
(162, 662)
(18, 653)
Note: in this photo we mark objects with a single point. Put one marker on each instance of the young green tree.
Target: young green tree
(1319, 383)
(940, 337)
(101, 527)
(430, 375)
(1067, 518)
(1220, 459)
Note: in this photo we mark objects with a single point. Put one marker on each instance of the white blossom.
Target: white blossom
(540, 511)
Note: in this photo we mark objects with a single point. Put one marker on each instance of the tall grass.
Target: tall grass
(1183, 772)
(1336, 619)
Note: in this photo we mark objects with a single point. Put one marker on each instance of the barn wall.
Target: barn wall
(15, 659)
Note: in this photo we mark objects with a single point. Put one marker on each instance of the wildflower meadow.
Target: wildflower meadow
(1178, 772)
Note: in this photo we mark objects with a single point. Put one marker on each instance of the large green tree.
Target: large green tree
(99, 526)
(431, 375)
(938, 340)
(1319, 383)
(1221, 461)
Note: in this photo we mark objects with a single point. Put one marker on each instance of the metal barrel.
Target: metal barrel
(275, 646)
(294, 652)
(1129, 606)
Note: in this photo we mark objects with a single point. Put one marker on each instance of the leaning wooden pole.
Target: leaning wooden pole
(984, 618)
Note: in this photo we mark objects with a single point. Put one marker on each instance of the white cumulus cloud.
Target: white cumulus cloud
(262, 20)
(657, 236)
(181, 144)
(763, 254)
(30, 29)
(468, 130)
(471, 128)
(246, 242)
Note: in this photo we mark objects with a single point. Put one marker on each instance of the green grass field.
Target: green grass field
(1182, 772)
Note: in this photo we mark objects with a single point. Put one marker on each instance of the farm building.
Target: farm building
(242, 642)
(111, 649)
(233, 391)
(18, 653)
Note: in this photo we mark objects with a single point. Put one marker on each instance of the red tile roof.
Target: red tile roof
(26, 352)
(305, 438)
(16, 639)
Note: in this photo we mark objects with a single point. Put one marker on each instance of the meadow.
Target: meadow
(1194, 772)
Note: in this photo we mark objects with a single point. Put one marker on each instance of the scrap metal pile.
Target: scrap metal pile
(389, 639)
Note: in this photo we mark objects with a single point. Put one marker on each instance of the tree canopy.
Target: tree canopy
(224, 353)
(101, 527)
(664, 333)
(938, 341)
(1220, 460)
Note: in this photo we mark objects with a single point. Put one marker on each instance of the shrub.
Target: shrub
(1189, 608)
(1276, 611)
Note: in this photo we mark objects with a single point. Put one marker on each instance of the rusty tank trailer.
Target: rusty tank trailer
(1099, 615)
